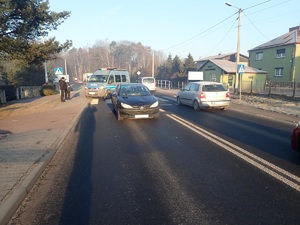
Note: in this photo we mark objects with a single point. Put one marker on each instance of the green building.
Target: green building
(280, 57)
(224, 71)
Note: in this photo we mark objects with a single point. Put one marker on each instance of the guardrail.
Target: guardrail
(168, 84)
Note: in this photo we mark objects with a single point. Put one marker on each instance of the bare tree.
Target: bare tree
(127, 55)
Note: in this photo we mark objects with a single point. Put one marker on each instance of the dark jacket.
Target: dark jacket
(62, 85)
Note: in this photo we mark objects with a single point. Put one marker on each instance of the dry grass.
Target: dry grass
(23, 108)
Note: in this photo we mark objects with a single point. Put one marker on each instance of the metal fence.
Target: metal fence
(288, 89)
(168, 84)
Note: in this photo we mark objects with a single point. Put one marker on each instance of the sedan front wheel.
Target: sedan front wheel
(119, 115)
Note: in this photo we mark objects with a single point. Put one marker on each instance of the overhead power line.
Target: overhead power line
(198, 34)
(189, 39)
(221, 40)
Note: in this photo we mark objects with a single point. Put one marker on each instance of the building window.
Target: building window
(280, 53)
(259, 56)
(279, 72)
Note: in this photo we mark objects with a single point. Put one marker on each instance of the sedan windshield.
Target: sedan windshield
(134, 90)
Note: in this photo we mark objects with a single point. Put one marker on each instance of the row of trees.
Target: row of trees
(127, 55)
(23, 24)
(23, 50)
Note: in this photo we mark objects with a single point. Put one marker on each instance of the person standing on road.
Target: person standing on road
(63, 89)
(68, 92)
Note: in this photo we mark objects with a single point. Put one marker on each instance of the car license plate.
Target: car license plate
(217, 103)
(92, 93)
(141, 116)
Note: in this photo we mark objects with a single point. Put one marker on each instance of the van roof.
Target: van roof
(205, 82)
(111, 68)
(147, 77)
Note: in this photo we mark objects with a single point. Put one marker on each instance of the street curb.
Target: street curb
(19, 193)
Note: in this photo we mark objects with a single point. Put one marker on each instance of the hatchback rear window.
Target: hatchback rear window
(213, 88)
(148, 80)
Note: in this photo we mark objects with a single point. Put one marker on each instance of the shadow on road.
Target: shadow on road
(78, 194)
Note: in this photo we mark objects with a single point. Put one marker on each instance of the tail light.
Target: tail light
(202, 95)
(227, 95)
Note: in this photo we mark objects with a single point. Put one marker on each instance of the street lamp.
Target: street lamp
(45, 64)
(152, 51)
(66, 67)
(238, 49)
(152, 63)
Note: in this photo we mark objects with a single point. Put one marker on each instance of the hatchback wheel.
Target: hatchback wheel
(178, 101)
(196, 105)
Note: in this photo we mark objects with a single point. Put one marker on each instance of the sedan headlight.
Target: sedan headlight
(126, 106)
(155, 104)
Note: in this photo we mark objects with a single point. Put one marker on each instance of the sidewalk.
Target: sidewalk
(31, 131)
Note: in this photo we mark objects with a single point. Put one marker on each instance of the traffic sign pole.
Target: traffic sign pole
(241, 70)
(240, 86)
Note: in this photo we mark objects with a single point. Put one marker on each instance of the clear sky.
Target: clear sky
(200, 27)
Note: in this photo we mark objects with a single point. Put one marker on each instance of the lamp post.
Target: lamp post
(238, 49)
(66, 67)
(152, 63)
(45, 64)
(152, 66)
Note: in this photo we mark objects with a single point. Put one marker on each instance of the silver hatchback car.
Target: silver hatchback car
(204, 95)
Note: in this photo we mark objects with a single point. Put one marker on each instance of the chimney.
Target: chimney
(294, 28)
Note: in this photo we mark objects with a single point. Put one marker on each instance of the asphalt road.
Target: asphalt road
(208, 167)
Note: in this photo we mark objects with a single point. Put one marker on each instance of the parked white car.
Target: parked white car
(149, 82)
(204, 95)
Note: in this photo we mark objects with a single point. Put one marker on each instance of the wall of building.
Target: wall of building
(253, 82)
(297, 63)
(211, 72)
(269, 62)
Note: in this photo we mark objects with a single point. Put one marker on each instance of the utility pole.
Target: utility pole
(152, 63)
(66, 67)
(237, 75)
(45, 64)
(238, 53)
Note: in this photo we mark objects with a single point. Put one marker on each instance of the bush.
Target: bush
(48, 89)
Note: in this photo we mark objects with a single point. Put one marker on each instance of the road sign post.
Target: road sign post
(241, 70)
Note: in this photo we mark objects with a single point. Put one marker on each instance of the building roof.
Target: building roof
(230, 67)
(221, 56)
(292, 37)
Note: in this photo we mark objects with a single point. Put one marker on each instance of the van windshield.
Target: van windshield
(98, 78)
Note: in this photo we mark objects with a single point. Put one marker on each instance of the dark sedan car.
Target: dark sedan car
(134, 101)
(295, 138)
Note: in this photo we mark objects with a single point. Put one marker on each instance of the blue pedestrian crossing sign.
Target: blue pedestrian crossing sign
(58, 71)
(241, 68)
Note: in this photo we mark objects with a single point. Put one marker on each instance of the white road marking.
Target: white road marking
(265, 166)
(166, 98)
